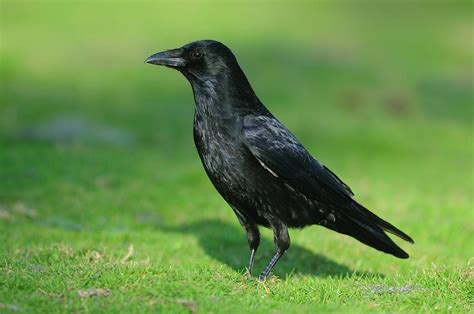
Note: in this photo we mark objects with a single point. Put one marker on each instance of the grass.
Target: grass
(101, 190)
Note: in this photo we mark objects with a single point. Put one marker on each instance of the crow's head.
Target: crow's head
(199, 61)
(212, 70)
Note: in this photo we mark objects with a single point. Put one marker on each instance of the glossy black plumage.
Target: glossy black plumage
(258, 166)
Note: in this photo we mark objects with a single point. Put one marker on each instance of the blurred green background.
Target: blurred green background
(96, 154)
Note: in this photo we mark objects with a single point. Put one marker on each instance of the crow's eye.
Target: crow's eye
(197, 55)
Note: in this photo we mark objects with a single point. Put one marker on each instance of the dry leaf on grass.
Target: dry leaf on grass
(129, 253)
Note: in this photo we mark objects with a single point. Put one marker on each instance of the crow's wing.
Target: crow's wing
(280, 152)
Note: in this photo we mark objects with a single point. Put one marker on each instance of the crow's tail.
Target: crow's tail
(368, 228)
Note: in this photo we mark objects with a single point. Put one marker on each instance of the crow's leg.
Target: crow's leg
(253, 238)
(253, 235)
(282, 243)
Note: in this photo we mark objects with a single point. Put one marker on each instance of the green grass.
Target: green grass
(382, 94)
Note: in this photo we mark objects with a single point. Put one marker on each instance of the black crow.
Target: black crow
(257, 165)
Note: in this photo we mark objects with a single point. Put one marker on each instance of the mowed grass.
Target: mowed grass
(105, 207)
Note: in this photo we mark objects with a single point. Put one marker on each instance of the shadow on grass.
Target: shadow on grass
(227, 243)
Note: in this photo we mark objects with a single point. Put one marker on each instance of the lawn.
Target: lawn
(105, 207)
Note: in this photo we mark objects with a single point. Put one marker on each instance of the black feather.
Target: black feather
(371, 235)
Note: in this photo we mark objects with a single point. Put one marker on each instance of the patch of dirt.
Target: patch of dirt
(397, 104)
(148, 218)
(17, 210)
(382, 289)
(93, 292)
(189, 304)
(9, 307)
(351, 100)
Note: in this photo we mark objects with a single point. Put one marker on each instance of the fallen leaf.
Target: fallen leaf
(129, 253)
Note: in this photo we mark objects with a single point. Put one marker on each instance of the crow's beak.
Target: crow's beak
(170, 58)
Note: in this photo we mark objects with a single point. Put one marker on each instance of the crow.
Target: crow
(258, 166)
